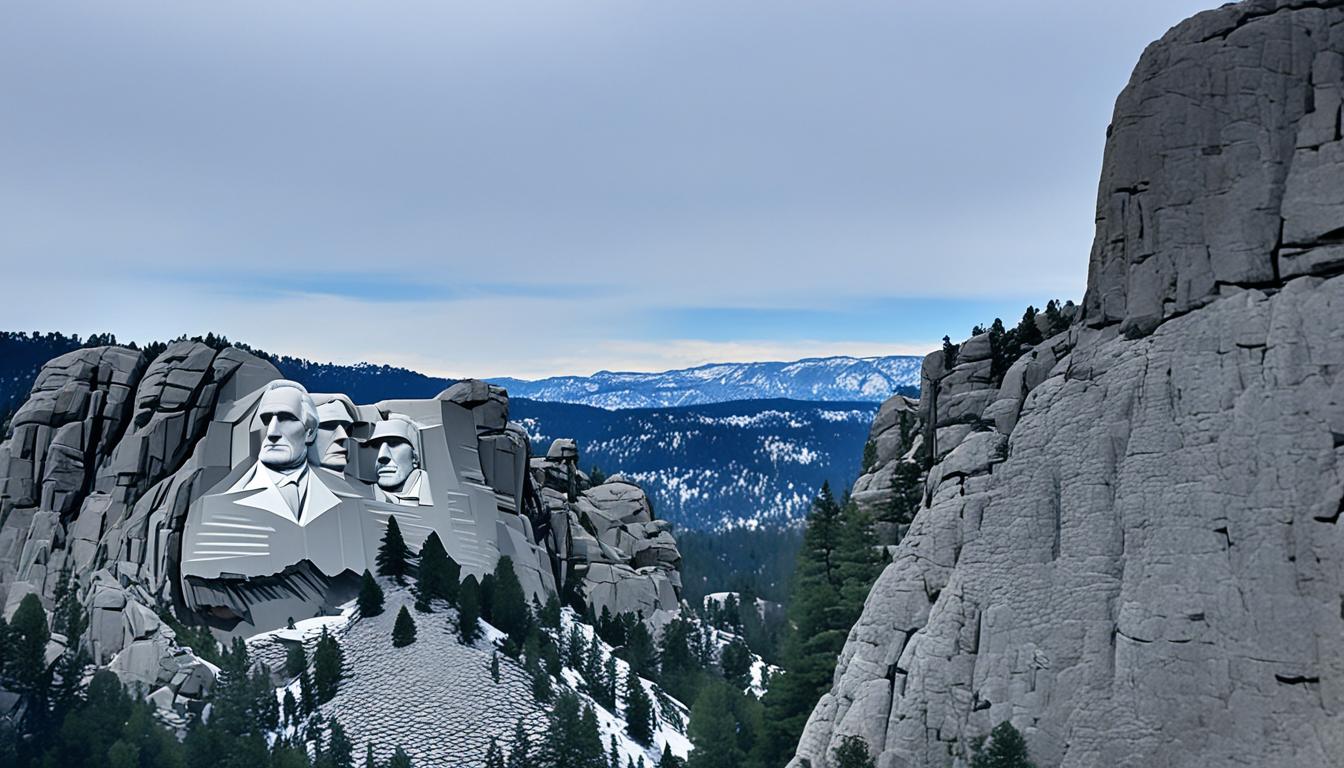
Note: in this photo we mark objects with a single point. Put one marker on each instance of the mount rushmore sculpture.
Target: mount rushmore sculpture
(198, 486)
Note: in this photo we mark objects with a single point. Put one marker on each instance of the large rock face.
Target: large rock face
(142, 479)
(1131, 548)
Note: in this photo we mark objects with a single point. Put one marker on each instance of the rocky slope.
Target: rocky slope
(1130, 548)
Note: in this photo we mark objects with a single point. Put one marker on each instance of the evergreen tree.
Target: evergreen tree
(520, 752)
(549, 616)
(511, 615)
(614, 754)
(610, 681)
(28, 647)
(950, 351)
(307, 696)
(533, 664)
(400, 759)
(735, 662)
(289, 707)
(403, 632)
(1006, 749)
(572, 739)
(574, 648)
(487, 597)
(680, 670)
(340, 753)
(639, 651)
(1028, 333)
(714, 730)
(296, 660)
(468, 611)
(327, 662)
(493, 758)
(638, 710)
(494, 666)
(821, 612)
(393, 555)
(438, 572)
(852, 753)
(668, 760)
(869, 457)
(859, 561)
(369, 760)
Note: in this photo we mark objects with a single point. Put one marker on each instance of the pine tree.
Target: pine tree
(1006, 749)
(639, 651)
(735, 662)
(533, 665)
(610, 681)
(572, 739)
(468, 611)
(289, 707)
(369, 760)
(614, 754)
(859, 561)
(296, 660)
(494, 666)
(28, 646)
(520, 752)
(714, 730)
(511, 615)
(400, 759)
(852, 753)
(327, 662)
(680, 670)
(669, 760)
(438, 572)
(638, 710)
(549, 616)
(820, 619)
(487, 597)
(403, 632)
(339, 752)
(307, 697)
(493, 758)
(393, 555)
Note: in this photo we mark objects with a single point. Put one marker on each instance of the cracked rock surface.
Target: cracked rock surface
(1131, 548)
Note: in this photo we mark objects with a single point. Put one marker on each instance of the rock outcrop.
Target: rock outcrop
(113, 451)
(1131, 547)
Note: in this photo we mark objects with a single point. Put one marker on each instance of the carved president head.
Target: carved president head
(395, 440)
(288, 422)
(335, 418)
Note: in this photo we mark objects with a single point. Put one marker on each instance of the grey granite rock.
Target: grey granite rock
(1134, 556)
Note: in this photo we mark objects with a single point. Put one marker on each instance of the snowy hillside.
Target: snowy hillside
(707, 467)
(869, 379)
(437, 697)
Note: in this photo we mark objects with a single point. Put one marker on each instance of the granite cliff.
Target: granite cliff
(1130, 547)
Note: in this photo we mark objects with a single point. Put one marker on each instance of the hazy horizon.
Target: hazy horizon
(528, 191)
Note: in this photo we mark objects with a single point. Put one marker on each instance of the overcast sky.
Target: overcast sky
(536, 188)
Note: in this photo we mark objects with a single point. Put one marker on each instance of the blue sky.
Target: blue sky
(537, 188)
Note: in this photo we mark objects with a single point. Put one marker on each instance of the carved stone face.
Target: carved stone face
(331, 448)
(396, 460)
(285, 437)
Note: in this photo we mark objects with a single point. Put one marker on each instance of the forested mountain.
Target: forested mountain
(746, 463)
(827, 379)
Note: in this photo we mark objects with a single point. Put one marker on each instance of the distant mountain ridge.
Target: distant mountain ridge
(740, 464)
(817, 379)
